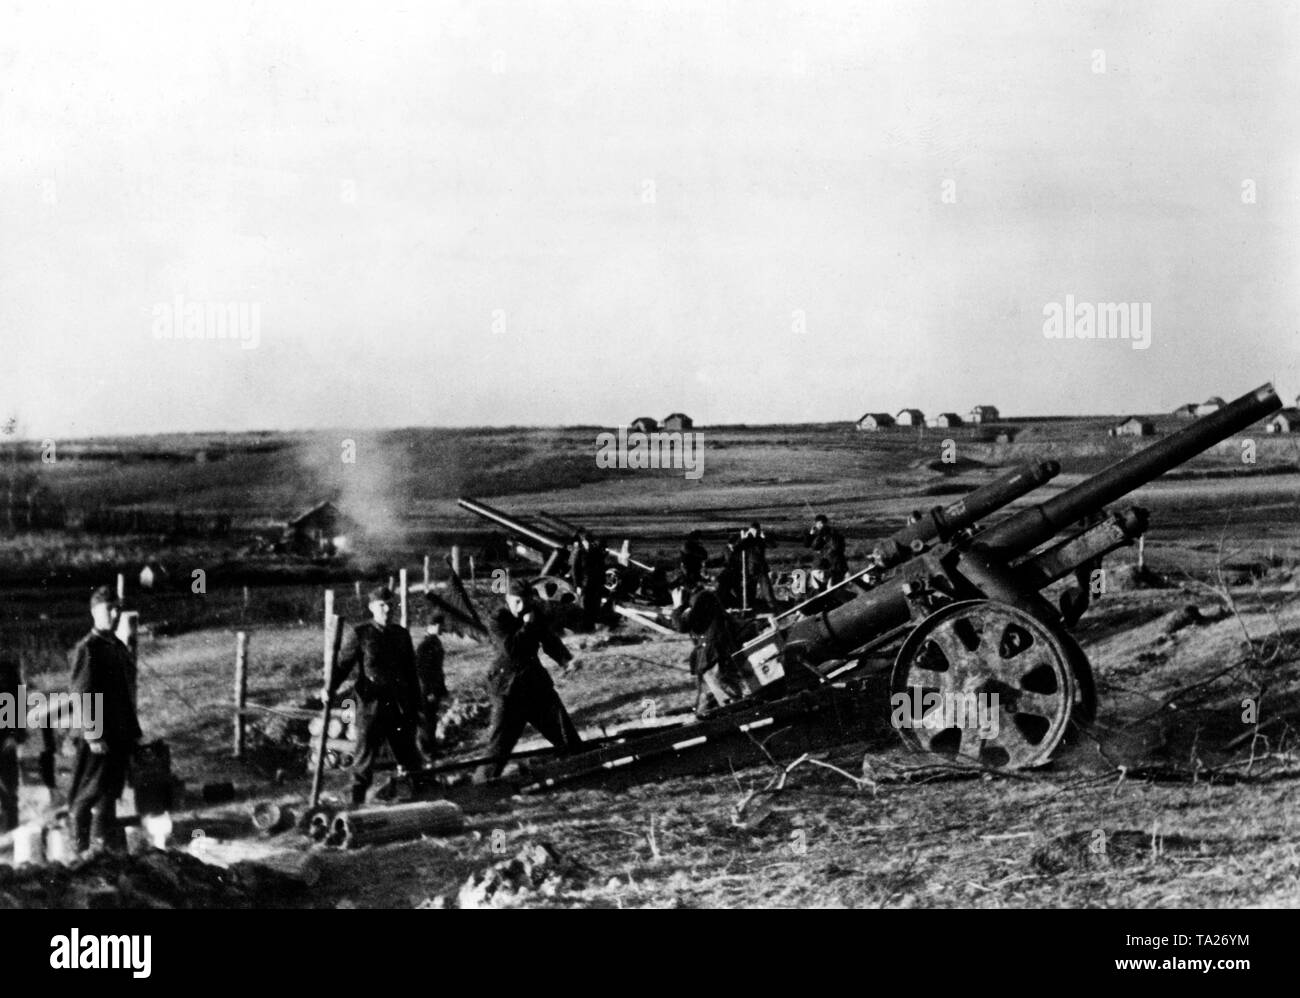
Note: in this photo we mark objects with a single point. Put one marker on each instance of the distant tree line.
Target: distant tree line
(175, 523)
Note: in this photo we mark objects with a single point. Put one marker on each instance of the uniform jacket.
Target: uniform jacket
(715, 635)
(589, 567)
(102, 667)
(385, 665)
(693, 558)
(429, 657)
(829, 545)
(517, 647)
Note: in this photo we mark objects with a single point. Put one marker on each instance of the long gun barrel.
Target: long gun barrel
(547, 542)
(839, 632)
(942, 522)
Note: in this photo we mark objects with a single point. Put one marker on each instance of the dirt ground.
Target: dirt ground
(1160, 805)
(1183, 794)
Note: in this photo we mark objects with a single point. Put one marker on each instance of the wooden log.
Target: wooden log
(376, 825)
(241, 690)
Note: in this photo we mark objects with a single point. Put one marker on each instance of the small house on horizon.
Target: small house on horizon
(677, 422)
(1132, 427)
(910, 417)
(1186, 411)
(644, 424)
(984, 414)
(1285, 421)
(948, 419)
(1211, 404)
(872, 421)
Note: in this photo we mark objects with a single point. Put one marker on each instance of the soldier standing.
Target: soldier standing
(521, 688)
(429, 656)
(828, 543)
(693, 559)
(589, 577)
(387, 689)
(101, 670)
(10, 739)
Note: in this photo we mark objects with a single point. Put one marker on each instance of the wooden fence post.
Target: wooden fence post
(241, 690)
(402, 589)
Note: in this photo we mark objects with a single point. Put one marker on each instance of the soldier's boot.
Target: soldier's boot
(106, 830)
(79, 825)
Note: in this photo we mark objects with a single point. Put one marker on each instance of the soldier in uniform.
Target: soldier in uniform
(10, 739)
(429, 657)
(521, 688)
(589, 576)
(716, 639)
(387, 690)
(828, 543)
(694, 556)
(101, 668)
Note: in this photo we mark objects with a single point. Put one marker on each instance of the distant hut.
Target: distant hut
(873, 421)
(1211, 404)
(644, 424)
(910, 417)
(1187, 411)
(152, 575)
(323, 529)
(1132, 427)
(1286, 421)
(984, 414)
(677, 422)
(948, 419)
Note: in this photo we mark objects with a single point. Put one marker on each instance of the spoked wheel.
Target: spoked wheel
(554, 589)
(983, 682)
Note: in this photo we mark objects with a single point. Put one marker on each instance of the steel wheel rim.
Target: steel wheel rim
(986, 648)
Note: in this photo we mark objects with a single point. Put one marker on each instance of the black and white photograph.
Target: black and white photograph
(575, 454)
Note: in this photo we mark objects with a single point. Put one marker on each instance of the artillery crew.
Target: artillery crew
(831, 564)
(11, 736)
(429, 657)
(387, 689)
(717, 639)
(589, 576)
(521, 688)
(102, 670)
(694, 556)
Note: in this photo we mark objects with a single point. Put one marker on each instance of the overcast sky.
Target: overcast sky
(583, 212)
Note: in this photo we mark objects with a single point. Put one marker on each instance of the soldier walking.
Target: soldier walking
(387, 690)
(521, 688)
(101, 675)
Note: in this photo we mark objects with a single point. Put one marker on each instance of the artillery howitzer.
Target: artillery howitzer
(949, 608)
(548, 544)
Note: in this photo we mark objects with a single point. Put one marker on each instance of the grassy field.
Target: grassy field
(1224, 536)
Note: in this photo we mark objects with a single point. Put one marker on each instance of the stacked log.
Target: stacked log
(378, 825)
